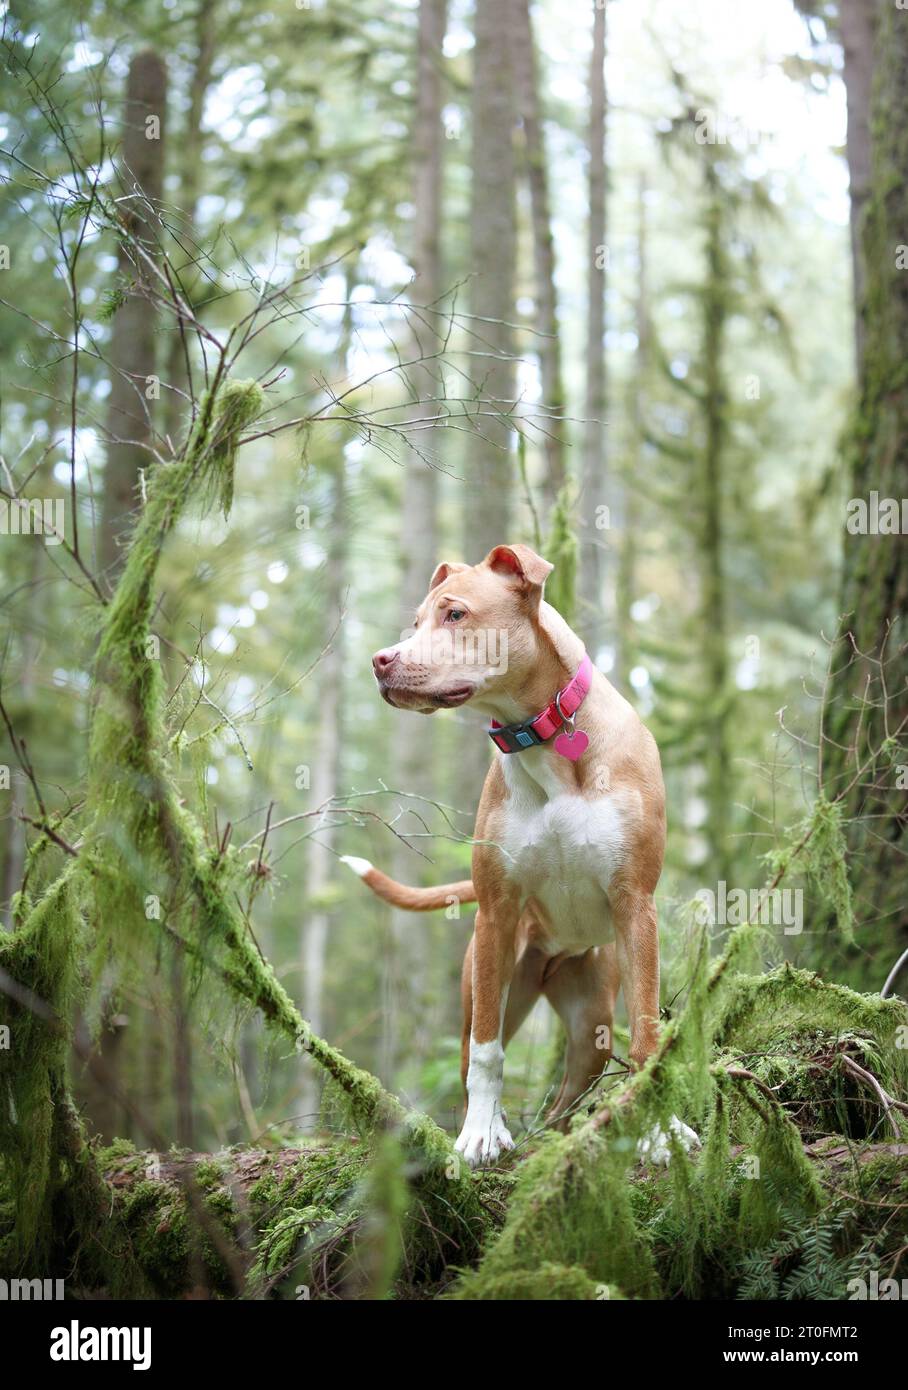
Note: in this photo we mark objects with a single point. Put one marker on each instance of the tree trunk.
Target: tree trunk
(182, 1054)
(857, 24)
(492, 258)
(23, 718)
(14, 854)
(625, 579)
(325, 766)
(324, 781)
(188, 199)
(593, 489)
(133, 358)
(177, 422)
(493, 251)
(549, 344)
(406, 970)
(713, 615)
(861, 713)
(133, 343)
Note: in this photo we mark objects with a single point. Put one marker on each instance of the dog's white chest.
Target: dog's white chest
(564, 850)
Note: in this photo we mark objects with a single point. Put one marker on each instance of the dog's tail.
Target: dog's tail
(412, 899)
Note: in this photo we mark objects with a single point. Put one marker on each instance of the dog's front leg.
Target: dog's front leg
(490, 964)
(637, 934)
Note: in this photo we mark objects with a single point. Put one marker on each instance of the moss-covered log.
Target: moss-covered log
(798, 1087)
(339, 1219)
(307, 1223)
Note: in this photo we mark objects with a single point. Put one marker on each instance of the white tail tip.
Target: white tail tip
(359, 866)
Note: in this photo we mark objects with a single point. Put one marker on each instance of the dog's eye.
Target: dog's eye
(454, 615)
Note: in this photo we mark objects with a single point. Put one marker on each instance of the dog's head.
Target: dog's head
(474, 633)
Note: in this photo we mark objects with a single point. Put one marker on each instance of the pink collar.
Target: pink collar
(513, 738)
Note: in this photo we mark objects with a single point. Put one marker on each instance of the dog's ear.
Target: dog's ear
(442, 572)
(521, 563)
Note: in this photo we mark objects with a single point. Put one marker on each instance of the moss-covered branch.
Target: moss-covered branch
(144, 879)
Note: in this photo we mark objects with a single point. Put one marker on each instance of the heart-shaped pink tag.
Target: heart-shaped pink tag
(572, 745)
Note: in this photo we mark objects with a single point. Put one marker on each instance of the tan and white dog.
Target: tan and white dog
(569, 836)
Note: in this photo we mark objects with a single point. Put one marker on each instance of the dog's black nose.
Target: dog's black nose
(383, 661)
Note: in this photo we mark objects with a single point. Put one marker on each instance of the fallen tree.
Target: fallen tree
(308, 1223)
(802, 1186)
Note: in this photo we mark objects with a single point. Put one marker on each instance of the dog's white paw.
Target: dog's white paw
(484, 1141)
(655, 1147)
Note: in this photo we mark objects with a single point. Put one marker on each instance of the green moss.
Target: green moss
(40, 958)
(209, 1172)
(571, 1207)
(550, 1283)
(574, 1204)
(373, 1219)
(820, 851)
(119, 1149)
(764, 1012)
(809, 1073)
